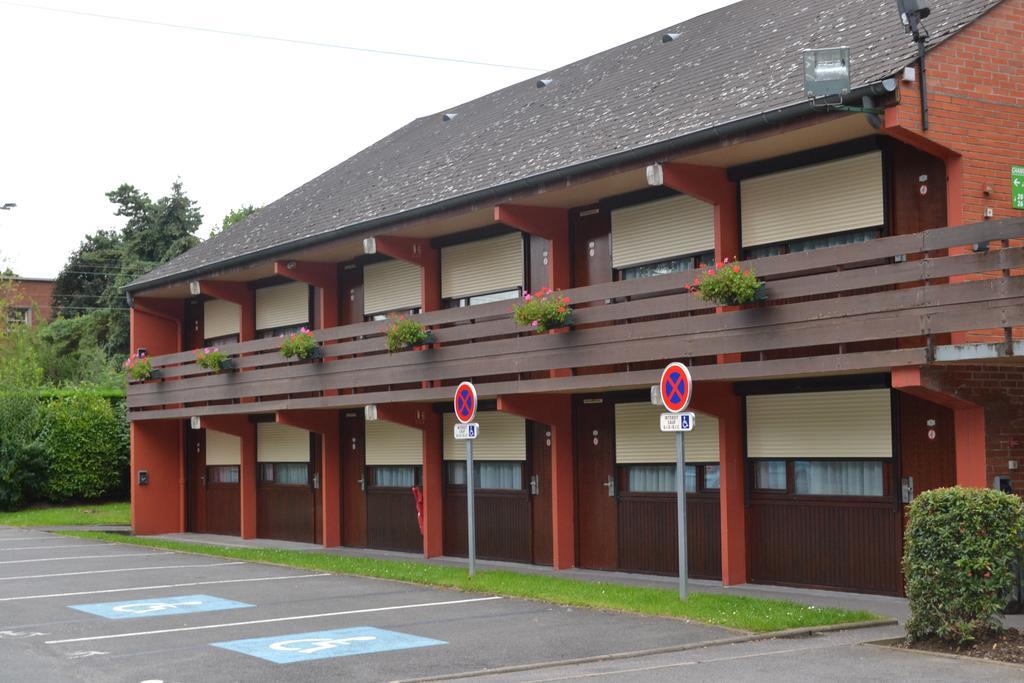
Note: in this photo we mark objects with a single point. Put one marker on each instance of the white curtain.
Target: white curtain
(838, 478)
(770, 474)
(402, 476)
(658, 478)
(488, 474)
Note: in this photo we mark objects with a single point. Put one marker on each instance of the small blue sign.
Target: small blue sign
(159, 607)
(304, 647)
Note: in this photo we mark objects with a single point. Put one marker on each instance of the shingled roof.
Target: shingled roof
(726, 65)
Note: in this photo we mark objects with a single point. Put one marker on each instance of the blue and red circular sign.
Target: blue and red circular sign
(676, 387)
(465, 402)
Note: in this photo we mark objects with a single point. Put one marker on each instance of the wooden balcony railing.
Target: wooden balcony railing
(854, 308)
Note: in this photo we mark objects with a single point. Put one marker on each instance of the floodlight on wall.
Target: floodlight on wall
(911, 14)
(291, 265)
(826, 72)
(7, 206)
(194, 288)
(370, 412)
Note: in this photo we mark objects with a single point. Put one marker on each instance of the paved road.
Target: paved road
(76, 610)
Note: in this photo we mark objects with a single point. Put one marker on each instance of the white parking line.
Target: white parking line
(271, 621)
(166, 585)
(123, 569)
(83, 557)
(5, 539)
(49, 547)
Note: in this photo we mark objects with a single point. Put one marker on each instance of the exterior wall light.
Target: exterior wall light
(194, 422)
(370, 412)
(193, 288)
(826, 72)
(291, 265)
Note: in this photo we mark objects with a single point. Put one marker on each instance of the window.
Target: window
(220, 341)
(711, 477)
(676, 265)
(488, 474)
(838, 478)
(390, 314)
(483, 298)
(770, 475)
(222, 474)
(284, 473)
(395, 476)
(812, 243)
(280, 331)
(658, 478)
(19, 316)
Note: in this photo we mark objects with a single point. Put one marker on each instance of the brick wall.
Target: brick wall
(35, 294)
(1000, 390)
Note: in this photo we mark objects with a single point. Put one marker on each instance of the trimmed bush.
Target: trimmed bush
(959, 553)
(22, 458)
(86, 441)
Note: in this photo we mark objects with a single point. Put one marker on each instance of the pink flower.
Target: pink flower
(534, 324)
(527, 297)
(711, 271)
(726, 259)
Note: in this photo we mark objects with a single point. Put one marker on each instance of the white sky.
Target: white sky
(87, 103)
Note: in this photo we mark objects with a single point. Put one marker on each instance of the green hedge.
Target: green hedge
(959, 554)
(86, 445)
(22, 458)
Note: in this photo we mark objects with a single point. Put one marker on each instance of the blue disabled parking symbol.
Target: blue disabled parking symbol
(158, 607)
(302, 647)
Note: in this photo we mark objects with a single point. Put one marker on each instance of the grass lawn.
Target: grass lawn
(66, 515)
(731, 611)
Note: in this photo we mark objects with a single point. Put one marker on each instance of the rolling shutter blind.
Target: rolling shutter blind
(220, 318)
(282, 306)
(482, 267)
(391, 286)
(388, 443)
(820, 424)
(502, 437)
(223, 449)
(834, 196)
(281, 443)
(638, 438)
(660, 230)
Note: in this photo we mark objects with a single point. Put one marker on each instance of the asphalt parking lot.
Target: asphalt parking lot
(78, 610)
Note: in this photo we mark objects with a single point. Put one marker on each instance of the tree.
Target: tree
(88, 274)
(234, 216)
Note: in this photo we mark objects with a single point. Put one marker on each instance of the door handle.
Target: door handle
(316, 480)
(907, 489)
(362, 484)
(535, 485)
(611, 486)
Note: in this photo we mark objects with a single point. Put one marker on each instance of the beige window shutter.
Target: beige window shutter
(282, 305)
(391, 285)
(221, 318)
(820, 424)
(223, 449)
(820, 199)
(483, 266)
(388, 443)
(502, 437)
(281, 443)
(639, 439)
(661, 230)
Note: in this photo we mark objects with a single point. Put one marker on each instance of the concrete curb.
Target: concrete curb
(789, 633)
(888, 645)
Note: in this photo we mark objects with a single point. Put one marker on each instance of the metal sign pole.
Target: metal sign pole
(681, 511)
(469, 507)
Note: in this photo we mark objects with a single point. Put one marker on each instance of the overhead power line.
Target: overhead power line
(279, 39)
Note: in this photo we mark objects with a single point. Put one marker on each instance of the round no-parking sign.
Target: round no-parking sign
(676, 387)
(465, 402)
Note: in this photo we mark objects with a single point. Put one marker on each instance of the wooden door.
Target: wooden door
(591, 247)
(597, 508)
(193, 331)
(316, 487)
(353, 480)
(539, 485)
(195, 442)
(927, 450)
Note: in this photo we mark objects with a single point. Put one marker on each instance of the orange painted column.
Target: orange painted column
(718, 399)
(245, 430)
(550, 223)
(326, 423)
(968, 422)
(156, 448)
(433, 487)
(237, 293)
(554, 410)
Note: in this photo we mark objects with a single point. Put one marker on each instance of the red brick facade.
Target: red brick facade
(36, 295)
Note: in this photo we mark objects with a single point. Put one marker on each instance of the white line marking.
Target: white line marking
(31, 538)
(50, 547)
(125, 569)
(83, 557)
(166, 585)
(271, 621)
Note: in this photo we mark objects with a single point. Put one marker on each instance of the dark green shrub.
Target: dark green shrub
(959, 551)
(22, 458)
(86, 442)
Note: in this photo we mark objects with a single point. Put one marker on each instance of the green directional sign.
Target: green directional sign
(1017, 187)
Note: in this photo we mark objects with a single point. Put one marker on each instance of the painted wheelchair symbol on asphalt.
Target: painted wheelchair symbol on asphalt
(157, 607)
(303, 647)
(308, 646)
